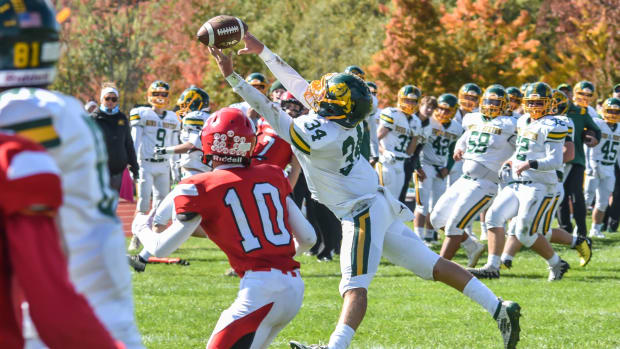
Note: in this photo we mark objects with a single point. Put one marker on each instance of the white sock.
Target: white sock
(341, 337)
(420, 232)
(553, 261)
(481, 294)
(597, 227)
(145, 254)
(506, 257)
(469, 243)
(574, 243)
(494, 261)
(483, 227)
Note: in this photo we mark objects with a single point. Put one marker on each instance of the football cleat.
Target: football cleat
(558, 271)
(230, 272)
(297, 345)
(596, 234)
(584, 249)
(507, 317)
(486, 272)
(474, 253)
(507, 264)
(136, 263)
(134, 244)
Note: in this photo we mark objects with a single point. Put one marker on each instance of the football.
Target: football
(222, 31)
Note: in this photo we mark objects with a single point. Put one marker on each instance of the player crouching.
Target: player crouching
(245, 210)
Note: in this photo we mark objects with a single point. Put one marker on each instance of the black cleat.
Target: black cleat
(507, 317)
(297, 345)
(558, 271)
(486, 272)
(137, 263)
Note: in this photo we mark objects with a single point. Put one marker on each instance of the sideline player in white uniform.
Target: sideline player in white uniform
(327, 144)
(151, 128)
(602, 158)
(91, 230)
(192, 105)
(469, 99)
(398, 132)
(583, 245)
(430, 179)
(488, 141)
(534, 164)
(193, 109)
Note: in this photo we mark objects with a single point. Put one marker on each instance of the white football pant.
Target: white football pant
(154, 179)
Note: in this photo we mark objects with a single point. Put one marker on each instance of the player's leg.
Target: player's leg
(266, 302)
(603, 192)
(439, 186)
(423, 190)
(145, 187)
(164, 212)
(161, 183)
(402, 247)
(363, 232)
(589, 188)
(504, 207)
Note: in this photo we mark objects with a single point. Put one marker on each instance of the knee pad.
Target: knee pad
(523, 235)
(494, 219)
(359, 281)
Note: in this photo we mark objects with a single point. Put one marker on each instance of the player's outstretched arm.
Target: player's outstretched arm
(164, 244)
(303, 232)
(277, 118)
(288, 76)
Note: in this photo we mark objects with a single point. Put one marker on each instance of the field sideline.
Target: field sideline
(177, 307)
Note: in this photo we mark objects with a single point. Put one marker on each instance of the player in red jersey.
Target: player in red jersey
(245, 210)
(272, 149)
(31, 260)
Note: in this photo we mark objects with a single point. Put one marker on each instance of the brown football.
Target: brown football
(222, 31)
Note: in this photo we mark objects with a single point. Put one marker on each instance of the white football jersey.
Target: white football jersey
(488, 142)
(192, 126)
(157, 131)
(438, 140)
(72, 138)
(606, 151)
(402, 130)
(536, 138)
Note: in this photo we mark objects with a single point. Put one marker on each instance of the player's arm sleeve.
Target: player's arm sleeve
(131, 154)
(553, 157)
(303, 232)
(450, 156)
(62, 317)
(289, 77)
(461, 143)
(386, 120)
(165, 243)
(275, 116)
(374, 140)
(591, 125)
(136, 135)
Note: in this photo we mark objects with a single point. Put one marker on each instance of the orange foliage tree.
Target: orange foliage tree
(440, 49)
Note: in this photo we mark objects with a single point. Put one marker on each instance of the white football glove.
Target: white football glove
(505, 174)
(388, 157)
(159, 151)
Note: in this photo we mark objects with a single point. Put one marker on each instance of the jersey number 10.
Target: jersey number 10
(261, 191)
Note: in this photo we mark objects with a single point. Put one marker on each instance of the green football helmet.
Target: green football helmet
(192, 99)
(559, 103)
(611, 110)
(583, 93)
(29, 43)
(537, 100)
(446, 108)
(158, 94)
(355, 70)
(372, 87)
(408, 97)
(469, 96)
(524, 87)
(340, 97)
(515, 96)
(493, 103)
(616, 89)
(258, 80)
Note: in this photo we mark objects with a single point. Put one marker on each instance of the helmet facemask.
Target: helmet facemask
(468, 101)
(444, 113)
(408, 105)
(158, 94)
(611, 110)
(583, 97)
(492, 105)
(536, 106)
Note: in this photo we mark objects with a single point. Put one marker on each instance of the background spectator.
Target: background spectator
(117, 135)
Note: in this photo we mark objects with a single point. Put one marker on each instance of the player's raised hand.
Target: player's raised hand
(252, 45)
(224, 62)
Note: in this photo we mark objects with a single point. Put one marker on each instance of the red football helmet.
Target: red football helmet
(228, 136)
(287, 100)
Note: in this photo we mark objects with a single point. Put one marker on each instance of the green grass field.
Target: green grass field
(177, 307)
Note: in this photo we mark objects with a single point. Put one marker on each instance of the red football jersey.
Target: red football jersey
(28, 177)
(270, 147)
(244, 212)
